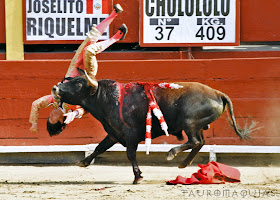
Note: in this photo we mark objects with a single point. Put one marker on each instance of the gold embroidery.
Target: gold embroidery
(42, 102)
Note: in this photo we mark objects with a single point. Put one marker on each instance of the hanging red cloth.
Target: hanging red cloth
(212, 173)
(153, 107)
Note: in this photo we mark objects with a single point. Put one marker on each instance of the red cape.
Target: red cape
(212, 173)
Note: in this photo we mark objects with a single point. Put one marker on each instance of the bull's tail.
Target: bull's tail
(247, 129)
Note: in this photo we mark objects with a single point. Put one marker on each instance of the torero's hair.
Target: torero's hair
(55, 129)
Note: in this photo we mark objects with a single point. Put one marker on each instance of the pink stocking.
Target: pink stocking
(100, 45)
(106, 43)
(106, 22)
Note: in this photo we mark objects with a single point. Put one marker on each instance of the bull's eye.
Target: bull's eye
(79, 85)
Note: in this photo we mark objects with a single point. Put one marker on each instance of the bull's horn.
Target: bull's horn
(91, 82)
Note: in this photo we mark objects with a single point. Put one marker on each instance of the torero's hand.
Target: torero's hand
(34, 128)
(70, 116)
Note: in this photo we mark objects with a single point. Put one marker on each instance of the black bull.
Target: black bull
(191, 108)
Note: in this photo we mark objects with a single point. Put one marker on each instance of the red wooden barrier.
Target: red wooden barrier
(259, 20)
(252, 84)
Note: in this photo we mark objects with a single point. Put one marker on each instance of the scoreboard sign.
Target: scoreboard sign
(189, 22)
(63, 19)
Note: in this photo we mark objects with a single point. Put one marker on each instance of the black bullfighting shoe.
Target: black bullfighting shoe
(118, 8)
(123, 30)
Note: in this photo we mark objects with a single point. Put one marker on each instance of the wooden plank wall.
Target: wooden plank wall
(252, 83)
(259, 20)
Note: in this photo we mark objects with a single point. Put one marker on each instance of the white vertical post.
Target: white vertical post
(212, 154)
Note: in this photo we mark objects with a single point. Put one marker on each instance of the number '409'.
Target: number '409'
(210, 32)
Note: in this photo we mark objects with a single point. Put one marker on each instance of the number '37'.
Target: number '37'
(160, 30)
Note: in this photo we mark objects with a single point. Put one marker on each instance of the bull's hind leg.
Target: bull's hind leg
(174, 151)
(188, 161)
(105, 144)
(197, 132)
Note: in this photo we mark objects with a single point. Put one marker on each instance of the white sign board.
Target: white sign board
(189, 22)
(63, 19)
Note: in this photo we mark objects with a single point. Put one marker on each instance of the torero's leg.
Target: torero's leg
(106, 22)
(120, 35)
(92, 36)
(95, 33)
(90, 62)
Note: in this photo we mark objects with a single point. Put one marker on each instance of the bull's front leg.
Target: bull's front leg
(105, 144)
(131, 155)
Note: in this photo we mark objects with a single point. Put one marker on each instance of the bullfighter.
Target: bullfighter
(84, 59)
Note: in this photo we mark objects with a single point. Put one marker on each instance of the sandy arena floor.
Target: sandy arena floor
(115, 182)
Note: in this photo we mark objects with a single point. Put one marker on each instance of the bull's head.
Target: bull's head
(75, 90)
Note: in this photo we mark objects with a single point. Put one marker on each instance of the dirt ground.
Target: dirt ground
(115, 182)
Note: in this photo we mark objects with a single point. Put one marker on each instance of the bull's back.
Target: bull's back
(192, 100)
(190, 89)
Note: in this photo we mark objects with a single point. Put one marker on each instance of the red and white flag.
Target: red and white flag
(98, 6)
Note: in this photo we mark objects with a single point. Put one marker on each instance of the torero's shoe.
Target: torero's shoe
(118, 8)
(123, 30)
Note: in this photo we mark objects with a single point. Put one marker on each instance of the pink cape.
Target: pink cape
(212, 173)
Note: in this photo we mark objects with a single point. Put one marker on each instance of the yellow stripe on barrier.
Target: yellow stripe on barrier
(14, 30)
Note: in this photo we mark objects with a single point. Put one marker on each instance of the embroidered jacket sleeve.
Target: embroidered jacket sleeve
(42, 102)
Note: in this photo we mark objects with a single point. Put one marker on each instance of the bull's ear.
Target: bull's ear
(92, 91)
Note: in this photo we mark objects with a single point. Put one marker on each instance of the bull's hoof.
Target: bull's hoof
(83, 164)
(182, 165)
(137, 180)
(170, 155)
